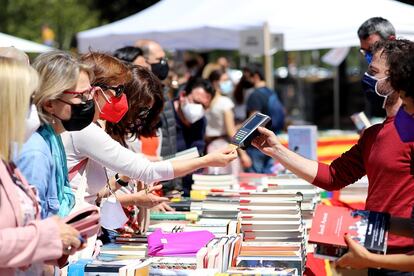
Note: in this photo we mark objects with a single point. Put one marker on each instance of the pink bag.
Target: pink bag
(173, 244)
(86, 221)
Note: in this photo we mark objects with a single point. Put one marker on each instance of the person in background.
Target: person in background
(65, 103)
(379, 154)
(132, 55)
(371, 31)
(166, 137)
(241, 93)
(220, 122)
(401, 75)
(26, 242)
(190, 108)
(266, 101)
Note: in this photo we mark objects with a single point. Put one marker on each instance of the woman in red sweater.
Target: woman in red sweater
(380, 153)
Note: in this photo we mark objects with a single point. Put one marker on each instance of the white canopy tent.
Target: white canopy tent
(22, 44)
(216, 24)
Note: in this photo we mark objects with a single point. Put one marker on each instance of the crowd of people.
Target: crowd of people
(77, 129)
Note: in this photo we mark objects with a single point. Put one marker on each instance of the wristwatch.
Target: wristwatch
(120, 181)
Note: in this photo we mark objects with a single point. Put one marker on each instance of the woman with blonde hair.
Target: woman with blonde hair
(25, 241)
(64, 101)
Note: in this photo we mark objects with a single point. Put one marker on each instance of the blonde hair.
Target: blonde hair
(59, 72)
(17, 83)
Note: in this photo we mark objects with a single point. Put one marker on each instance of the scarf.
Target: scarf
(64, 192)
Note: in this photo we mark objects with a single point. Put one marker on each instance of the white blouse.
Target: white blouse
(94, 144)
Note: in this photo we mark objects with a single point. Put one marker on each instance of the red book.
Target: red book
(331, 223)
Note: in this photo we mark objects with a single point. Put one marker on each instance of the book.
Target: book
(331, 223)
(303, 141)
(183, 155)
(360, 121)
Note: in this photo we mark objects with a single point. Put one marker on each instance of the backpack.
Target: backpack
(274, 109)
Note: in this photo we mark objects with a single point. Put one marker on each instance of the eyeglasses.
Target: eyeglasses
(84, 95)
(117, 89)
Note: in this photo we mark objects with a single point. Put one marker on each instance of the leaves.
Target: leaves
(25, 18)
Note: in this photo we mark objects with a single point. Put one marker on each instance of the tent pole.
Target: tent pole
(336, 98)
(268, 59)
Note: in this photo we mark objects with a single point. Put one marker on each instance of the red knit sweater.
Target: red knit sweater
(388, 164)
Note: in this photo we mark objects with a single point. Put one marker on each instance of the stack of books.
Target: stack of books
(214, 182)
(274, 233)
(289, 184)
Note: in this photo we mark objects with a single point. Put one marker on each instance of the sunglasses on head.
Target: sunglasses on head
(117, 89)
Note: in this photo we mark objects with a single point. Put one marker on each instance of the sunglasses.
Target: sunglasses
(117, 89)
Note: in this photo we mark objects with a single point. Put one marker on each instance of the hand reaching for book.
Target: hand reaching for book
(357, 257)
(147, 199)
(266, 142)
(162, 208)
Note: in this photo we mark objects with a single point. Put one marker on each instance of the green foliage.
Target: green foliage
(25, 18)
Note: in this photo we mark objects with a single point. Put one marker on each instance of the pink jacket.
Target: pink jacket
(20, 245)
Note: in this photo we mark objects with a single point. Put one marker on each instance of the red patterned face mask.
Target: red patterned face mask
(114, 109)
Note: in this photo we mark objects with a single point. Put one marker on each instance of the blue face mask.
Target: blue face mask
(404, 123)
(226, 87)
(368, 83)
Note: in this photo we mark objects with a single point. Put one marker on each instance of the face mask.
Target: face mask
(114, 108)
(112, 216)
(81, 115)
(368, 83)
(193, 112)
(226, 87)
(380, 86)
(32, 122)
(160, 69)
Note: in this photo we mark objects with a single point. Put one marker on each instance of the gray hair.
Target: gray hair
(58, 72)
(376, 25)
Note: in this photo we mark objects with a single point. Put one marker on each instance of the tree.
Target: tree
(25, 19)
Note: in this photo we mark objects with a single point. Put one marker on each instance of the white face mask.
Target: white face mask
(192, 112)
(112, 214)
(32, 122)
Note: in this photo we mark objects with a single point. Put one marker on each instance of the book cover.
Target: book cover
(331, 223)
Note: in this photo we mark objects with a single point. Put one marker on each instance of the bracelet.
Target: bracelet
(120, 181)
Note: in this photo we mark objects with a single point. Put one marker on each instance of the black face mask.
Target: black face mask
(160, 69)
(81, 116)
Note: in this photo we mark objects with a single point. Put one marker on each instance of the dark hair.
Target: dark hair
(240, 88)
(128, 53)
(215, 75)
(376, 25)
(108, 70)
(194, 83)
(401, 66)
(255, 68)
(143, 89)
